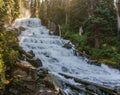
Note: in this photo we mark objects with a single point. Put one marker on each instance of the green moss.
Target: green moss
(107, 61)
(2, 73)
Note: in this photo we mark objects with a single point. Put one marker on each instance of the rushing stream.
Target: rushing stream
(49, 49)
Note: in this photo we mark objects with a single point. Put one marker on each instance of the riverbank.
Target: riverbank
(41, 49)
(22, 76)
(26, 79)
(106, 54)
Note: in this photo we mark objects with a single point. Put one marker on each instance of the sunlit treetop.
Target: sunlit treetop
(1, 3)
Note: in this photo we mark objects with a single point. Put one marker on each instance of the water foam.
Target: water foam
(57, 59)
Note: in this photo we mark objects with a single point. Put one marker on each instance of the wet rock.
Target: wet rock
(58, 82)
(30, 54)
(36, 62)
(19, 73)
(50, 83)
(47, 91)
(117, 89)
(64, 69)
(51, 32)
(93, 62)
(74, 92)
(23, 65)
(42, 72)
(94, 89)
(19, 30)
(67, 45)
(34, 74)
(14, 91)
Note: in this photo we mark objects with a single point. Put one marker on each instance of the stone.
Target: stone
(58, 82)
(14, 91)
(20, 73)
(47, 91)
(36, 62)
(67, 45)
(74, 92)
(64, 69)
(117, 89)
(19, 30)
(34, 74)
(42, 72)
(94, 62)
(30, 54)
(49, 82)
(24, 65)
(51, 32)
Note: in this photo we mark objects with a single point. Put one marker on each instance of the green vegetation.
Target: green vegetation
(98, 18)
(9, 10)
(107, 53)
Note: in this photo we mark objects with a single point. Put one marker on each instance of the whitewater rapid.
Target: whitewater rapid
(49, 49)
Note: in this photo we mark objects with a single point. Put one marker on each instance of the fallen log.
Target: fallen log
(109, 90)
(84, 54)
(81, 89)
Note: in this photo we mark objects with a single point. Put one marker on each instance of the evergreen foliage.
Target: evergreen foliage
(98, 19)
(9, 11)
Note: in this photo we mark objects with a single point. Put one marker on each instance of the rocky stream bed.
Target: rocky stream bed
(49, 66)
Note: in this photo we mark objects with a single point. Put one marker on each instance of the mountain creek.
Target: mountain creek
(49, 67)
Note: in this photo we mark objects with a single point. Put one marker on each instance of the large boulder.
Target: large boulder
(19, 30)
(30, 54)
(23, 54)
(50, 83)
(67, 45)
(19, 73)
(24, 64)
(36, 62)
(42, 72)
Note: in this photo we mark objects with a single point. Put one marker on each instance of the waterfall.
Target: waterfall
(49, 48)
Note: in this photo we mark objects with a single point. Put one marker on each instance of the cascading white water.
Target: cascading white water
(57, 59)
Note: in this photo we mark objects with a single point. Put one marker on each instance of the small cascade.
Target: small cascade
(25, 22)
(57, 59)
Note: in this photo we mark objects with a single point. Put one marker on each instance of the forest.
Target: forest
(93, 26)
(98, 20)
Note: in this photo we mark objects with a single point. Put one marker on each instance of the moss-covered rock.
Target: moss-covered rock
(67, 45)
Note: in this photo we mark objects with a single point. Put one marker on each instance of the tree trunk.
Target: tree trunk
(97, 42)
(33, 8)
(91, 5)
(117, 7)
(118, 19)
(67, 9)
(80, 31)
(66, 19)
(109, 90)
(60, 34)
